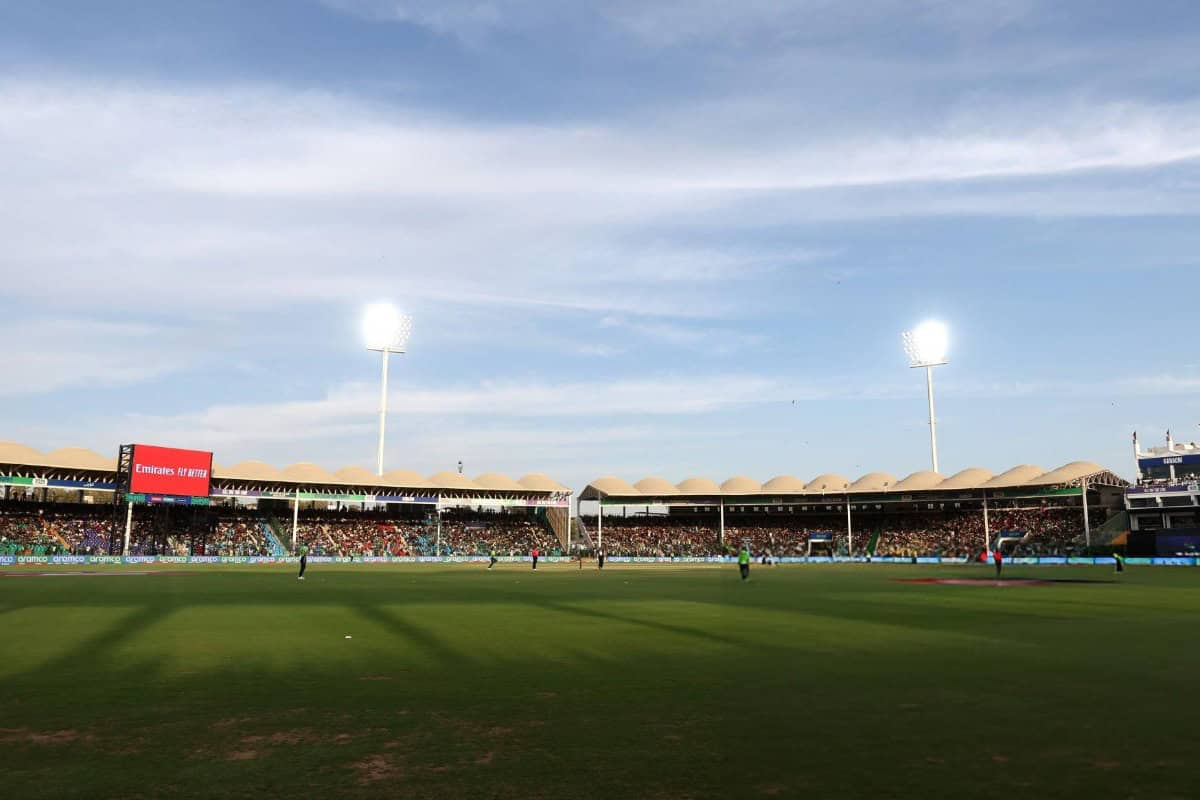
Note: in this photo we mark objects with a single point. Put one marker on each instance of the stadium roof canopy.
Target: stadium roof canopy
(925, 483)
(76, 461)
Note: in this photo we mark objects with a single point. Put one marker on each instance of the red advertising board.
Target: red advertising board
(167, 470)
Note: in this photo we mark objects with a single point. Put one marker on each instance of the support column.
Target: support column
(987, 529)
(128, 527)
(849, 531)
(437, 548)
(721, 530)
(1087, 523)
(295, 518)
(599, 525)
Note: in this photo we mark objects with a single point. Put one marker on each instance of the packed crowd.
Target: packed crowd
(657, 535)
(1030, 531)
(344, 533)
(786, 535)
(463, 532)
(47, 529)
(50, 529)
(497, 533)
(955, 534)
(239, 536)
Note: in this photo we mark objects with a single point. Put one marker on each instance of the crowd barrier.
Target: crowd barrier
(9, 561)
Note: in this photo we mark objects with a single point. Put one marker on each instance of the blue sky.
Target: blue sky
(637, 237)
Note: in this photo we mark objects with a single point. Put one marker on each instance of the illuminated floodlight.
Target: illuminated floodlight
(385, 328)
(927, 344)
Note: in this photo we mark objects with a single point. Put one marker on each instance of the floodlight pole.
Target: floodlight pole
(382, 412)
(932, 419)
(599, 526)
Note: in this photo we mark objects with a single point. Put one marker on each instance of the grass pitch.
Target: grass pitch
(646, 682)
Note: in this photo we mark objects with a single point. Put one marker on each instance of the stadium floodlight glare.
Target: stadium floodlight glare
(385, 328)
(386, 331)
(926, 346)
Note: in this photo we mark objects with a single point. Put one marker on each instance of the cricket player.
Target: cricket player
(303, 561)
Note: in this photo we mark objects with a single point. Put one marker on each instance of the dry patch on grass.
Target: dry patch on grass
(292, 737)
(43, 738)
(242, 755)
(376, 768)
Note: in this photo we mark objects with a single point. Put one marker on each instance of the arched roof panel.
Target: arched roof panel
(656, 487)
(1068, 473)
(358, 476)
(611, 486)
(1017, 476)
(498, 482)
(784, 484)
(405, 479)
(829, 482)
(79, 458)
(874, 482)
(970, 478)
(704, 486)
(538, 482)
(305, 472)
(16, 453)
(919, 482)
(452, 480)
(252, 471)
(741, 484)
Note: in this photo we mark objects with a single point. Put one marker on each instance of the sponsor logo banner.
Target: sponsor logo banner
(1189, 488)
(55, 483)
(170, 471)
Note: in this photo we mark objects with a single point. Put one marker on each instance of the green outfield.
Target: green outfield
(638, 682)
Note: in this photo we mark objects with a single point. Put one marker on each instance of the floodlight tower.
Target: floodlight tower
(926, 347)
(386, 331)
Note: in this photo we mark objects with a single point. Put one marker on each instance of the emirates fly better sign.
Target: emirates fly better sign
(167, 470)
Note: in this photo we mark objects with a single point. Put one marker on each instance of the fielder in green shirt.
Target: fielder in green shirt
(303, 561)
(744, 563)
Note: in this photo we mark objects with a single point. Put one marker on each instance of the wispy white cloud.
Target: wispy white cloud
(47, 354)
(672, 22)
(251, 196)
(350, 408)
(660, 23)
